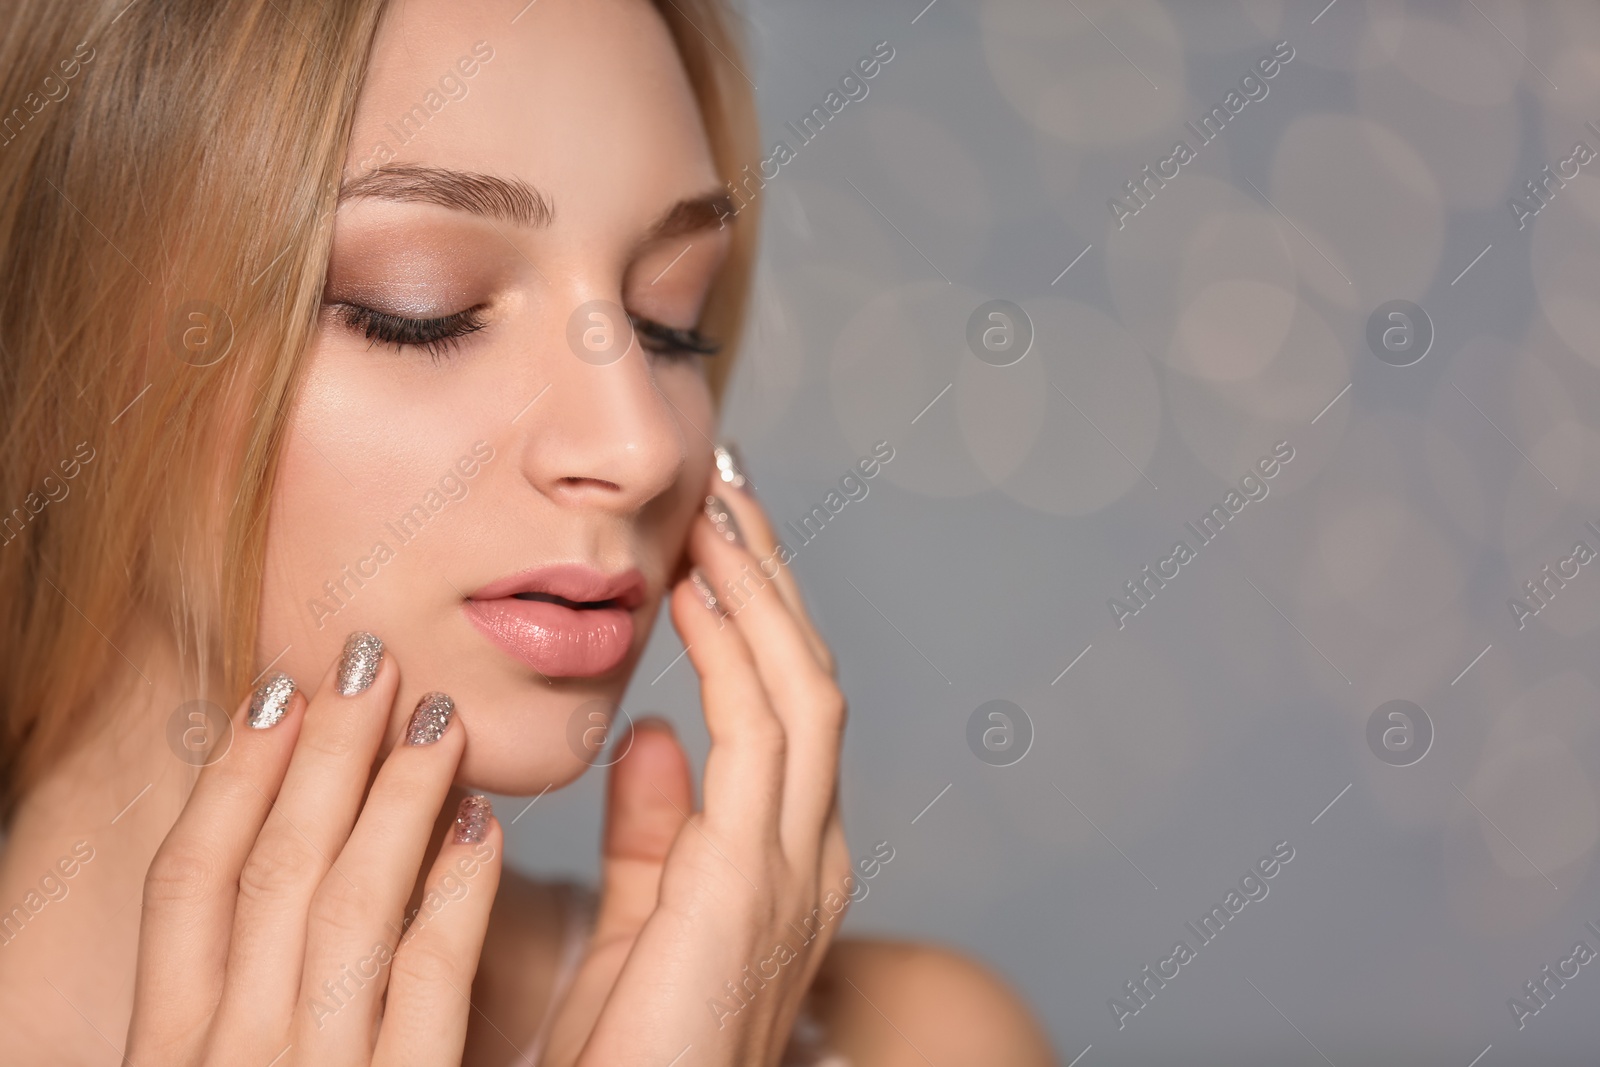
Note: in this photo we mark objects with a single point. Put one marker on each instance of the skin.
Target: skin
(292, 856)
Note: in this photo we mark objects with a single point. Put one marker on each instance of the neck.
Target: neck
(73, 860)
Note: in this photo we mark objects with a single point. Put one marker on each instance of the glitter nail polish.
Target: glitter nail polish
(472, 819)
(730, 468)
(703, 587)
(359, 663)
(428, 722)
(724, 522)
(271, 701)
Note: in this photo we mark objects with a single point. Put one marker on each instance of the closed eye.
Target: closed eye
(671, 341)
(438, 336)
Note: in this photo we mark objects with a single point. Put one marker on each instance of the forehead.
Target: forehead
(586, 101)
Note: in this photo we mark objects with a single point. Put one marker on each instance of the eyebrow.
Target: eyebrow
(692, 214)
(513, 199)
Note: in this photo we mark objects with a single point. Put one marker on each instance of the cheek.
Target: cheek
(310, 502)
(315, 520)
(360, 452)
(684, 385)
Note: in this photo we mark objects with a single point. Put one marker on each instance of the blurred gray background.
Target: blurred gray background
(1229, 314)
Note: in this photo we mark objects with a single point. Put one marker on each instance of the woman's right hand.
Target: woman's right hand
(714, 922)
(274, 909)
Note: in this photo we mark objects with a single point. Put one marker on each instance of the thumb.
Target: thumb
(648, 798)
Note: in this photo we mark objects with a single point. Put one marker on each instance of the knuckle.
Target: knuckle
(832, 708)
(333, 741)
(425, 962)
(181, 871)
(275, 868)
(342, 906)
(763, 733)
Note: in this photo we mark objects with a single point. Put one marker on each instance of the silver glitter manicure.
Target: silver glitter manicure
(271, 701)
(359, 663)
(729, 468)
(703, 587)
(472, 819)
(428, 722)
(721, 518)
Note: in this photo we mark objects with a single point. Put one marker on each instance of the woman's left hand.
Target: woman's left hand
(713, 923)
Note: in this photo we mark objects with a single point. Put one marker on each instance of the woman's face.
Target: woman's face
(505, 505)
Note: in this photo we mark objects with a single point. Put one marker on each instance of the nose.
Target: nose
(602, 435)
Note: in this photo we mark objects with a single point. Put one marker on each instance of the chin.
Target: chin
(527, 733)
(522, 744)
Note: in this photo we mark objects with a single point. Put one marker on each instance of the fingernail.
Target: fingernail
(730, 466)
(703, 587)
(721, 518)
(271, 701)
(358, 664)
(428, 722)
(472, 819)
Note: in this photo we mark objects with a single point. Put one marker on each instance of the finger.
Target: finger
(743, 780)
(310, 820)
(805, 697)
(430, 980)
(649, 796)
(772, 562)
(356, 914)
(189, 888)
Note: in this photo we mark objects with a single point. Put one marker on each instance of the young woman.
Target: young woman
(359, 359)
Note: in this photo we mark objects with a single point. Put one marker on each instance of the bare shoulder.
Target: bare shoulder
(888, 1003)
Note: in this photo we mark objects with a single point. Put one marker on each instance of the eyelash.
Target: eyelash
(671, 341)
(441, 336)
(438, 337)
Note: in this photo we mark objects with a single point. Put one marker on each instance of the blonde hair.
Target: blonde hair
(164, 160)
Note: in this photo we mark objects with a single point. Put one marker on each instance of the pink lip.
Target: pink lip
(557, 640)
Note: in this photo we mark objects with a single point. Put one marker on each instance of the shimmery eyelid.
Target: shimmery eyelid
(350, 307)
(689, 342)
(436, 336)
(439, 335)
(419, 302)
